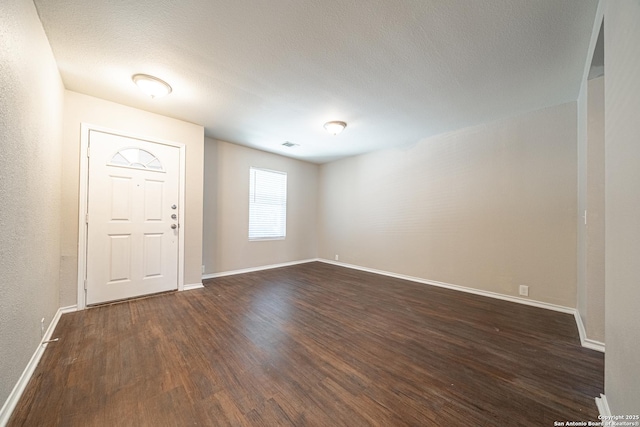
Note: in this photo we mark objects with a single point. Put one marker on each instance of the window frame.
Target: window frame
(252, 205)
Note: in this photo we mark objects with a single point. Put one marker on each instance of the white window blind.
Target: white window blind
(267, 204)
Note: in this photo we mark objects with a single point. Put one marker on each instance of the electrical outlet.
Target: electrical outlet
(42, 328)
(524, 290)
(337, 257)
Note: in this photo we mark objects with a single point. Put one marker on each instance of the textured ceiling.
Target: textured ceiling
(260, 73)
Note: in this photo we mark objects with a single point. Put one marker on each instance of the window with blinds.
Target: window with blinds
(267, 204)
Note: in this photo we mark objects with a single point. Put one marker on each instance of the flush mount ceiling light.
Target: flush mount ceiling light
(152, 86)
(335, 128)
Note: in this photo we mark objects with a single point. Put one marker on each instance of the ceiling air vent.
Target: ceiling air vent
(290, 144)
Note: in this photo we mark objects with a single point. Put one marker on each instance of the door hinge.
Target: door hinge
(86, 218)
(88, 151)
(85, 284)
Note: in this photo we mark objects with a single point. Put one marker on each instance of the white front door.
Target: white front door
(132, 217)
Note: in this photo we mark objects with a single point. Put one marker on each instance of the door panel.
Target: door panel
(153, 200)
(152, 255)
(132, 249)
(120, 193)
(119, 258)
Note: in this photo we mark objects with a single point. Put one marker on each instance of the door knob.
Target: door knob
(173, 226)
(174, 216)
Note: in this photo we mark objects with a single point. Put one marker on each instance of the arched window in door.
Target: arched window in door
(136, 158)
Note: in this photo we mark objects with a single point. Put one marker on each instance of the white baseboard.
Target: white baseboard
(584, 341)
(593, 345)
(252, 269)
(18, 389)
(481, 292)
(193, 286)
(587, 342)
(68, 309)
(603, 406)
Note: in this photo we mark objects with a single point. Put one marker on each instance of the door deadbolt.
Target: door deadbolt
(174, 207)
(174, 216)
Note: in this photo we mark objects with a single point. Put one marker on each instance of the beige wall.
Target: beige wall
(622, 180)
(79, 109)
(31, 96)
(595, 227)
(226, 209)
(489, 207)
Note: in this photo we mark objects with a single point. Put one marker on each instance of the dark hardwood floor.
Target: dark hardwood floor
(316, 345)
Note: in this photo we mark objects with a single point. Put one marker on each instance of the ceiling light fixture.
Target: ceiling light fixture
(152, 86)
(335, 127)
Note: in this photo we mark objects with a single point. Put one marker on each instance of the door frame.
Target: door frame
(85, 129)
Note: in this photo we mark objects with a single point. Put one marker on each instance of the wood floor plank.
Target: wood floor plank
(313, 345)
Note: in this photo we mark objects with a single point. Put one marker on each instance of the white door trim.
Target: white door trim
(85, 128)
